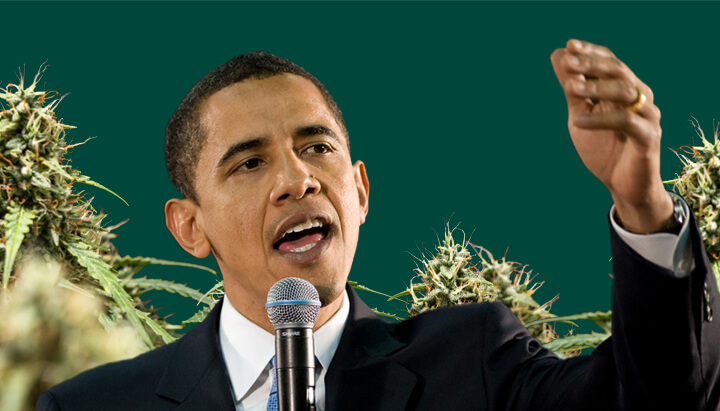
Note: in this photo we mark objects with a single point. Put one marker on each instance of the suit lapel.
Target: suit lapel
(362, 375)
(196, 376)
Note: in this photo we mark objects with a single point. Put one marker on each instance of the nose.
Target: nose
(294, 181)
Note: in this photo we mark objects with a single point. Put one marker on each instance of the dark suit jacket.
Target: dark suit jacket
(664, 355)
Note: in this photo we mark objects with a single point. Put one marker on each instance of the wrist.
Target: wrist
(653, 216)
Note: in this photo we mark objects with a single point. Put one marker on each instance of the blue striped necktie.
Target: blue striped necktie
(273, 399)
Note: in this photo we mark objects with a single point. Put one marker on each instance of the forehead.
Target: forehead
(258, 107)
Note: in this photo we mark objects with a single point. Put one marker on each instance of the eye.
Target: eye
(248, 165)
(319, 148)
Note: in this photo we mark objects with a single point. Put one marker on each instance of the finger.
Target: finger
(593, 67)
(596, 66)
(619, 91)
(560, 66)
(572, 70)
(601, 63)
(566, 77)
(647, 90)
(576, 46)
(624, 121)
(601, 60)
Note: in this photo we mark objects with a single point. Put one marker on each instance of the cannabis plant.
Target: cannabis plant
(513, 286)
(448, 279)
(699, 185)
(44, 213)
(49, 332)
(128, 268)
(451, 277)
(456, 275)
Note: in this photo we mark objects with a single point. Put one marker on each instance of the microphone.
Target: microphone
(293, 305)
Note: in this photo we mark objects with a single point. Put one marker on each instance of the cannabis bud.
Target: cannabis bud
(42, 211)
(699, 185)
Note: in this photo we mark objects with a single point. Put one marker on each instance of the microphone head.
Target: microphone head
(292, 302)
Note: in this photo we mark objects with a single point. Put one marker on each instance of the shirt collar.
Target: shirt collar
(247, 348)
(327, 337)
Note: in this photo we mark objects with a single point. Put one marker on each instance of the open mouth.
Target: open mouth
(303, 236)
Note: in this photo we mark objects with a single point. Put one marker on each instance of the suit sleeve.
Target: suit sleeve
(663, 355)
(668, 250)
(665, 339)
(46, 402)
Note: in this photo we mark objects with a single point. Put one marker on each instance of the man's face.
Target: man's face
(278, 194)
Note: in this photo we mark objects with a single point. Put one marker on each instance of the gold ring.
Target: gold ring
(639, 102)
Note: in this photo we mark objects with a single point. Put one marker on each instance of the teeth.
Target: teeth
(303, 248)
(304, 226)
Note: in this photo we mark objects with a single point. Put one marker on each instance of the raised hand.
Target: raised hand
(615, 127)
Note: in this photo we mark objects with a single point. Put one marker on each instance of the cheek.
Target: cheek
(236, 226)
(349, 202)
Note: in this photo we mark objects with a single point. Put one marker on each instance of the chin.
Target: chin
(329, 293)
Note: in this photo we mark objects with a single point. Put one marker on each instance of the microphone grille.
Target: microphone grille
(292, 301)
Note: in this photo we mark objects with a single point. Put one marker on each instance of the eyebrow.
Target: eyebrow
(314, 130)
(304, 131)
(240, 147)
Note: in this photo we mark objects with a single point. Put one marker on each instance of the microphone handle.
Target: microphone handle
(295, 361)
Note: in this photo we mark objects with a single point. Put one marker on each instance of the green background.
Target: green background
(454, 108)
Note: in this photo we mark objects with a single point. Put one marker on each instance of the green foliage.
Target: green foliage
(128, 267)
(601, 318)
(448, 278)
(42, 210)
(147, 284)
(456, 275)
(571, 345)
(49, 332)
(513, 287)
(699, 185)
(210, 298)
(141, 262)
(387, 315)
(355, 285)
(105, 276)
(17, 224)
(199, 316)
(44, 214)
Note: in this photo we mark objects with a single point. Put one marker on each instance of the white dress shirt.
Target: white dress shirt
(248, 349)
(670, 251)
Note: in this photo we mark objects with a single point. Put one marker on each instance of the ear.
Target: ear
(181, 220)
(363, 188)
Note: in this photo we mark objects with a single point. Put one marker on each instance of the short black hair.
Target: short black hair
(184, 134)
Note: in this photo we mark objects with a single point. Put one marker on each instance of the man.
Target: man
(260, 152)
